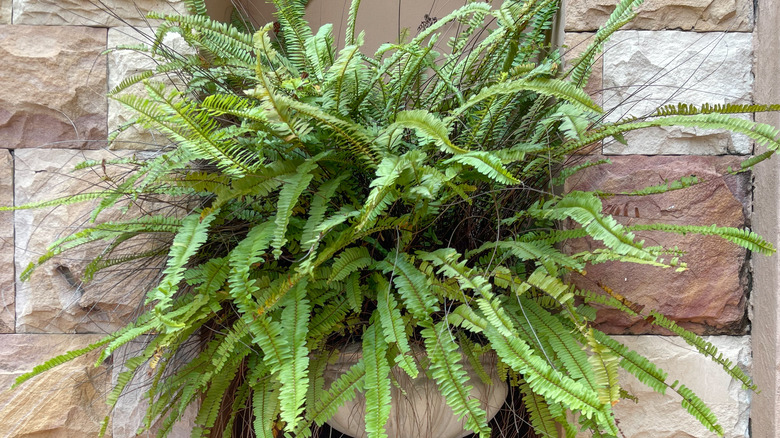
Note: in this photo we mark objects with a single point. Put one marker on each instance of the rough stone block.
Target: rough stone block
(5, 11)
(106, 13)
(54, 85)
(7, 311)
(698, 15)
(126, 63)
(130, 410)
(67, 401)
(711, 296)
(647, 70)
(662, 416)
(54, 299)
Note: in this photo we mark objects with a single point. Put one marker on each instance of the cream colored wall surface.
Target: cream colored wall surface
(765, 412)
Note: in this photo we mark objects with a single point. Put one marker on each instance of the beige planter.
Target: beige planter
(418, 409)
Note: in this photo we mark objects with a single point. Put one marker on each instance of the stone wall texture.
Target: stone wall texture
(54, 113)
(697, 51)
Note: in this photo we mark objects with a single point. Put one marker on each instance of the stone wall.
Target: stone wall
(677, 51)
(53, 114)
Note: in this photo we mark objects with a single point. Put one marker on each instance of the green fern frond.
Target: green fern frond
(605, 368)
(189, 238)
(66, 200)
(541, 418)
(349, 38)
(377, 382)
(623, 13)
(59, 360)
(319, 50)
(589, 297)
(696, 407)
(411, 284)
(705, 348)
(742, 237)
(667, 186)
(565, 346)
(487, 164)
(428, 127)
(547, 87)
(764, 135)
(265, 402)
(707, 108)
(341, 391)
(585, 208)
(541, 251)
(196, 7)
(393, 327)
(295, 31)
(318, 208)
(446, 369)
(636, 364)
(212, 402)
(294, 371)
(347, 131)
(289, 196)
(325, 321)
(388, 171)
(553, 286)
(544, 380)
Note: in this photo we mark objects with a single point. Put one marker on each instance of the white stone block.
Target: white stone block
(662, 416)
(644, 71)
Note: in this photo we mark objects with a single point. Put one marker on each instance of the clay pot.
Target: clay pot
(418, 409)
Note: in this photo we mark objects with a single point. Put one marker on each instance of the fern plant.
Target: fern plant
(402, 200)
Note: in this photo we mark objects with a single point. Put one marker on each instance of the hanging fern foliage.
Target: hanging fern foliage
(405, 202)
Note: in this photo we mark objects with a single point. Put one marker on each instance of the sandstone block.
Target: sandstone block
(5, 11)
(130, 410)
(54, 299)
(123, 64)
(711, 296)
(662, 416)
(698, 15)
(7, 291)
(107, 13)
(67, 401)
(647, 70)
(54, 87)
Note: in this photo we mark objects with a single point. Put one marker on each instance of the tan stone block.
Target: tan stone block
(130, 411)
(123, 64)
(661, 416)
(54, 299)
(54, 85)
(698, 15)
(7, 311)
(64, 402)
(5, 11)
(711, 296)
(106, 13)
